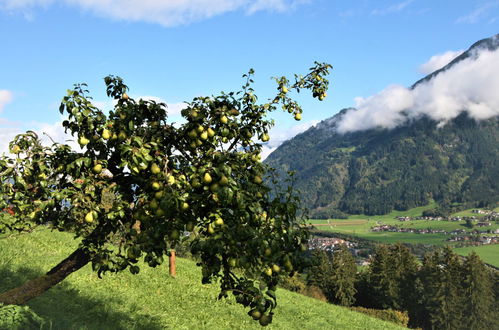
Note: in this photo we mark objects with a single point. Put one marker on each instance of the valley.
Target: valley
(457, 233)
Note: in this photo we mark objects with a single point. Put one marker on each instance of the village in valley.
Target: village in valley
(474, 228)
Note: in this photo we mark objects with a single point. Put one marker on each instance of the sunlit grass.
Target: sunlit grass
(151, 299)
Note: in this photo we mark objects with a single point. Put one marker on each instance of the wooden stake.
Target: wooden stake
(171, 263)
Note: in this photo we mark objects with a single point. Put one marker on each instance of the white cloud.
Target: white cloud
(172, 108)
(479, 13)
(439, 61)
(393, 8)
(5, 97)
(163, 12)
(470, 85)
(279, 135)
(6, 135)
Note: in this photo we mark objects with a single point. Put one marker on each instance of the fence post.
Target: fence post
(171, 263)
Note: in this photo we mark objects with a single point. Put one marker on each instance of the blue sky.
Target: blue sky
(176, 50)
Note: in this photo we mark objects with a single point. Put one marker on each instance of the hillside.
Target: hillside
(377, 170)
(151, 299)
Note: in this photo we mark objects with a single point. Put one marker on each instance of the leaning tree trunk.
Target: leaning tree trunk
(36, 287)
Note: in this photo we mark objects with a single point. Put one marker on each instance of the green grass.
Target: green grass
(488, 253)
(150, 300)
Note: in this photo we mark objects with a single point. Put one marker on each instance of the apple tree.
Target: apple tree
(140, 183)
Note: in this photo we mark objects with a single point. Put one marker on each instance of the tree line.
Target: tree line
(441, 291)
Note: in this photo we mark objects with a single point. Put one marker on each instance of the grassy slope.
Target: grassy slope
(150, 300)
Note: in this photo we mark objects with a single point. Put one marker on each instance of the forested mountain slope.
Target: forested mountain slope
(377, 170)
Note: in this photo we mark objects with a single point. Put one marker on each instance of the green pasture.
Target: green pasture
(360, 225)
(488, 253)
(150, 300)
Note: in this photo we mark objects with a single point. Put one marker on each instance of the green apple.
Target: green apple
(265, 320)
(207, 178)
(156, 185)
(170, 179)
(214, 187)
(159, 194)
(83, 141)
(257, 179)
(223, 181)
(106, 134)
(268, 271)
(155, 169)
(255, 314)
(153, 204)
(211, 230)
(175, 234)
(224, 119)
(97, 168)
(219, 222)
(211, 132)
(15, 149)
(89, 217)
(193, 134)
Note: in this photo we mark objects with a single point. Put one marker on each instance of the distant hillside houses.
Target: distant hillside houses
(475, 240)
(397, 229)
(473, 218)
(488, 216)
(328, 243)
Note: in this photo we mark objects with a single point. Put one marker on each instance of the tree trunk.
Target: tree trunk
(36, 287)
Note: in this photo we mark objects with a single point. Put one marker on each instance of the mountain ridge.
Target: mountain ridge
(377, 170)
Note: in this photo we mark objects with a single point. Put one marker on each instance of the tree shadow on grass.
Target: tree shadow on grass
(64, 307)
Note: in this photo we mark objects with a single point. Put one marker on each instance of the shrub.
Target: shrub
(314, 292)
(16, 317)
(390, 315)
(294, 283)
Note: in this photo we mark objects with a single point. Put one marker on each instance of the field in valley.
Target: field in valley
(360, 225)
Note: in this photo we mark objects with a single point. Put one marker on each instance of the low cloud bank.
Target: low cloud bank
(279, 135)
(439, 61)
(470, 85)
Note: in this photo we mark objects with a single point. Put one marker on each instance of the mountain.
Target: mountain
(377, 170)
